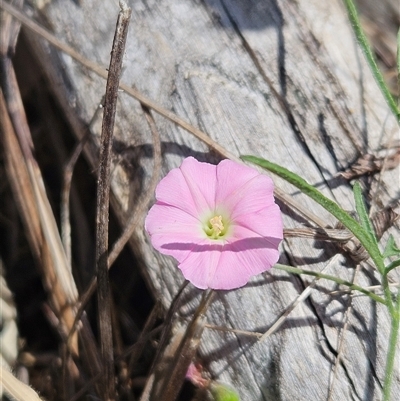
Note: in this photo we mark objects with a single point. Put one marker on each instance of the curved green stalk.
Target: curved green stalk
(395, 322)
(392, 266)
(398, 67)
(337, 280)
(353, 16)
(363, 214)
(390, 359)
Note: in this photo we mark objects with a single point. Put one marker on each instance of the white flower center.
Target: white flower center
(216, 225)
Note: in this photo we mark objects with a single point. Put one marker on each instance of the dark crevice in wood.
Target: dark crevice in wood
(281, 98)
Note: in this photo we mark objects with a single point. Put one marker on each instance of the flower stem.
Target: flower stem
(355, 21)
(337, 280)
(394, 334)
(392, 266)
(398, 67)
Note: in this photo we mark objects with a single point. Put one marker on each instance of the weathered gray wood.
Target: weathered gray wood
(212, 62)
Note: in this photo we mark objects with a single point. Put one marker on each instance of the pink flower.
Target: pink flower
(221, 223)
(194, 374)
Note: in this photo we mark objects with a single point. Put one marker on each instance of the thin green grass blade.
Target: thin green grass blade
(392, 266)
(391, 248)
(398, 67)
(362, 39)
(363, 214)
(337, 280)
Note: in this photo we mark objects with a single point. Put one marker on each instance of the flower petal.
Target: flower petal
(254, 255)
(201, 180)
(200, 264)
(254, 195)
(172, 230)
(264, 223)
(191, 187)
(230, 177)
(229, 266)
(243, 259)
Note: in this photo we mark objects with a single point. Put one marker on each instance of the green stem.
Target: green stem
(353, 16)
(392, 266)
(337, 280)
(365, 221)
(394, 335)
(374, 252)
(398, 67)
(388, 295)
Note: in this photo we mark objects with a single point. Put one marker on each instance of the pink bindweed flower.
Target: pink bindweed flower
(221, 223)
(194, 374)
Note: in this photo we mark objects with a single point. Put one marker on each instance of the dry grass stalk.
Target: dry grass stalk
(103, 201)
(28, 187)
(41, 227)
(15, 388)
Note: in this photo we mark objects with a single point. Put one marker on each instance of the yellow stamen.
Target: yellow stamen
(217, 225)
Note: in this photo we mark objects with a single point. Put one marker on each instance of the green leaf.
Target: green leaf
(398, 61)
(391, 248)
(221, 392)
(363, 214)
(392, 266)
(362, 40)
(327, 204)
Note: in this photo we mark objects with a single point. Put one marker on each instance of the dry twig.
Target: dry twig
(103, 200)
